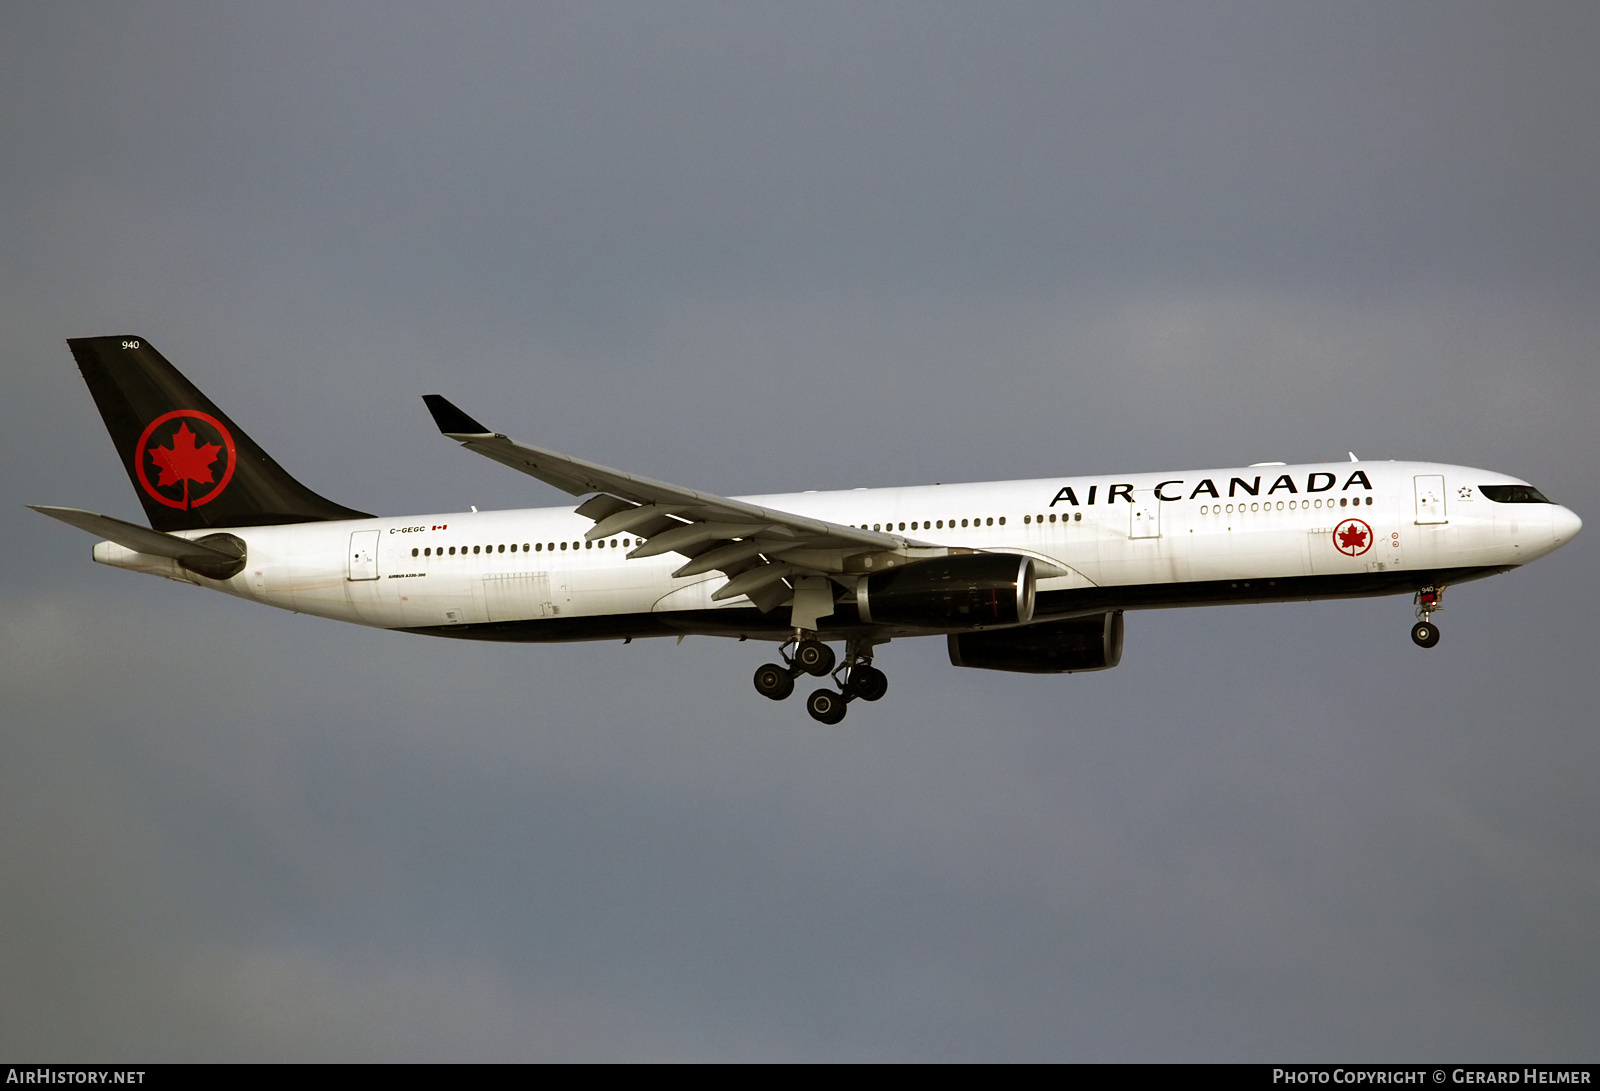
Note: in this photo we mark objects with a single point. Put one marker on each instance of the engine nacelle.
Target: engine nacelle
(1091, 643)
(968, 591)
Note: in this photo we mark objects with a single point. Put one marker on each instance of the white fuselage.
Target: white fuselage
(1104, 532)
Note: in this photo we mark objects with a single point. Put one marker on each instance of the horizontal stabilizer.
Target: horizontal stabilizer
(219, 556)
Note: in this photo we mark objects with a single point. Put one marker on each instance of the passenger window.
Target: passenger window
(502, 548)
(963, 522)
(413, 553)
(563, 545)
(1078, 516)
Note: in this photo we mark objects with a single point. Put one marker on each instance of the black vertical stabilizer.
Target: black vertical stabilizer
(190, 465)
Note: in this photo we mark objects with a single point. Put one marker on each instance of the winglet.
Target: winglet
(451, 420)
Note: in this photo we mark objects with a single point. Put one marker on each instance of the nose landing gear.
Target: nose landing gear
(1425, 634)
(857, 679)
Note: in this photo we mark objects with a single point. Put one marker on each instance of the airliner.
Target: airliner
(1031, 576)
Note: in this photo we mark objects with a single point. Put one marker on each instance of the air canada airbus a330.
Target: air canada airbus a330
(1030, 576)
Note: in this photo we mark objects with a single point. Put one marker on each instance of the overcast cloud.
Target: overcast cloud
(752, 248)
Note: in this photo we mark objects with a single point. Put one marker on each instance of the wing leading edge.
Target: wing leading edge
(762, 551)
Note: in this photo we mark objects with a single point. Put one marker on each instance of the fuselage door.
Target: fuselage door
(364, 555)
(1144, 518)
(1430, 498)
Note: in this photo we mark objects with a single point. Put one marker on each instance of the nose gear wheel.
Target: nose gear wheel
(1425, 634)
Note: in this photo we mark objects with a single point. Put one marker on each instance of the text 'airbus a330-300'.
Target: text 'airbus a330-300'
(1030, 576)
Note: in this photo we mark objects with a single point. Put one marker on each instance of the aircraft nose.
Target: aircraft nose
(1564, 525)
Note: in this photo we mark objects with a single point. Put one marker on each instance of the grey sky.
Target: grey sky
(753, 248)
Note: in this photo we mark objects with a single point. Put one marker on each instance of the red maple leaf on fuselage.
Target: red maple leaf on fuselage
(1352, 537)
(184, 461)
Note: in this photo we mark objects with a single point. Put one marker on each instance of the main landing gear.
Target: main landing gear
(1425, 634)
(857, 678)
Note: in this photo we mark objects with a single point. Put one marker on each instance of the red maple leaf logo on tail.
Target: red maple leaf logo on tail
(185, 461)
(1351, 537)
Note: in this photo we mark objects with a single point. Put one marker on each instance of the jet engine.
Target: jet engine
(967, 591)
(1091, 643)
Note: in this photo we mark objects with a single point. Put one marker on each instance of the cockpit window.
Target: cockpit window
(1514, 494)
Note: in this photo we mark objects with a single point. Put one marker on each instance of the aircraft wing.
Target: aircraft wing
(757, 548)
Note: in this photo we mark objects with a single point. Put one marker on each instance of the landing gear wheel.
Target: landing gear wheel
(1425, 634)
(774, 682)
(814, 657)
(868, 683)
(826, 706)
